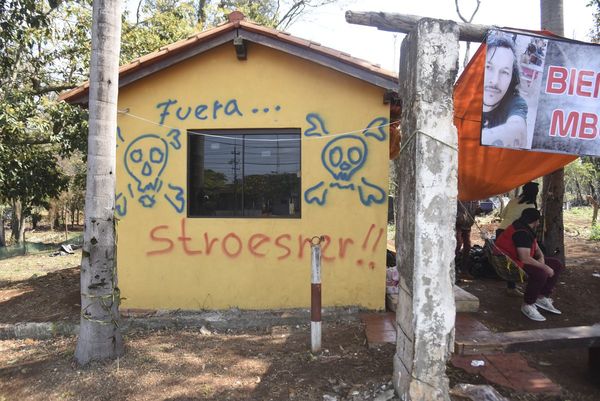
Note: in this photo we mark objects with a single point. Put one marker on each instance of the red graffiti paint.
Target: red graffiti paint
(255, 242)
(209, 243)
(366, 241)
(153, 237)
(377, 240)
(239, 245)
(302, 242)
(288, 250)
(343, 246)
(184, 241)
(258, 245)
(324, 246)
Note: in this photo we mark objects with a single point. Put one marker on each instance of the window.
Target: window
(244, 173)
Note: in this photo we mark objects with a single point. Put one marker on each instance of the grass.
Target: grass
(23, 267)
(578, 221)
(19, 268)
(595, 233)
(579, 212)
(50, 237)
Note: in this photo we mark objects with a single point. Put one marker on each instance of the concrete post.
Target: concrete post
(426, 205)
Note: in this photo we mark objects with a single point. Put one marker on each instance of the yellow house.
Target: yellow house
(235, 147)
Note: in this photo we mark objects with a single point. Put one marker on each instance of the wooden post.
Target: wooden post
(405, 23)
(315, 295)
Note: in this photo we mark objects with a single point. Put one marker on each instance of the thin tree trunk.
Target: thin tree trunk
(2, 232)
(99, 335)
(578, 193)
(22, 228)
(15, 221)
(593, 201)
(553, 190)
(66, 224)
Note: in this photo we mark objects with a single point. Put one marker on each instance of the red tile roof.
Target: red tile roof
(338, 60)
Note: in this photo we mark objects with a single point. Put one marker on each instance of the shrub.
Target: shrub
(595, 233)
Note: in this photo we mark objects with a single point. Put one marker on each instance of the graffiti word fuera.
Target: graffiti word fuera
(203, 111)
(166, 239)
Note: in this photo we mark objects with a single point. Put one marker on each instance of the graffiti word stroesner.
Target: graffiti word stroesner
(281, 246)
(579, 83)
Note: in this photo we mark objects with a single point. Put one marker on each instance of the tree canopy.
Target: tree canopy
(45, 49)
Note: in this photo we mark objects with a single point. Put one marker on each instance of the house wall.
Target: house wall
(167, 261)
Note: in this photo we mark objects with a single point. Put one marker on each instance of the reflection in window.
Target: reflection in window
(244, 173)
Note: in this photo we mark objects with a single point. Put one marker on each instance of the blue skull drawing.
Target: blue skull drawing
(343, 157)
(145, 160)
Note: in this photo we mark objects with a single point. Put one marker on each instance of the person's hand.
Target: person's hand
(549, 270)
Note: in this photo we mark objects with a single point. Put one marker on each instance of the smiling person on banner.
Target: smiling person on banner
(504, 120)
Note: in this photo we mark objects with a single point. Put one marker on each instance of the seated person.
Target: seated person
(519, 243)
(512, 211)
(465, 218)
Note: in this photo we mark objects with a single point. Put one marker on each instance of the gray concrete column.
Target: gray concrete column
(426, 205)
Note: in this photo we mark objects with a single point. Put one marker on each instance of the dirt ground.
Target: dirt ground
(268, 364)
(576, 295)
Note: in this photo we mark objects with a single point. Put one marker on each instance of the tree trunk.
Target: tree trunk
(15, 222)
(99, 335)
(52, 215)
(2, 232)
(66, 224)
(551, 13)
(578, 193)
(593, 201)
(553, 190)
(552, 210)
(21, 238)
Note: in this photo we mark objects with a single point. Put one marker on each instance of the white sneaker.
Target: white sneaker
(531, 312)
(546, 304)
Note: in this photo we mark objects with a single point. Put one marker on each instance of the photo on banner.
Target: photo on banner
(541, 94)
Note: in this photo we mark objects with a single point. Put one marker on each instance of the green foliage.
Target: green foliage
(157, 23)
(582, 212)
(31, 175)
(44, 49)
(166, 21)
(582, 179)
(262, 12)
(595, 233)
(595, 32)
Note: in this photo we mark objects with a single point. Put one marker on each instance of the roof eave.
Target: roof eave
(195, 45)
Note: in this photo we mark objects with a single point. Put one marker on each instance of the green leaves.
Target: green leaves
(161, 22)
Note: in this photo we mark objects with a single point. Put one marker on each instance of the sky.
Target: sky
(327, 25)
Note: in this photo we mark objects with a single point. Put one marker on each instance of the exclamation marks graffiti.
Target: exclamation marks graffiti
(366, 242)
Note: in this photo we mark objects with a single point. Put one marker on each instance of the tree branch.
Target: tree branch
(472, 15)
(39, 90)
(405, 23)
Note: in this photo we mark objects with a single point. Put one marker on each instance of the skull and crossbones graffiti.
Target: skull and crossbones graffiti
(145, 160)
(343, 157)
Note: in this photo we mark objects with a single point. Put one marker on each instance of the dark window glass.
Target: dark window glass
(249, 173)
